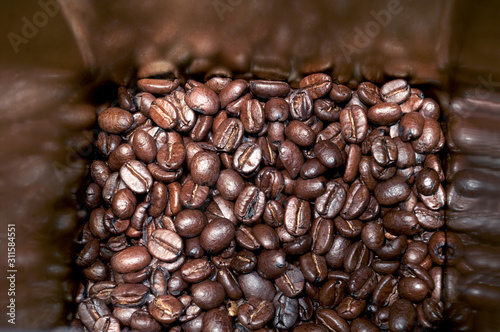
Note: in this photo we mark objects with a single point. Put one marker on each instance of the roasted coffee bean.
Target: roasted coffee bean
(106, 144)
(266, 236)
(297, 216)
(356, 257)
(244, 262)
(190, 223)
(205, 167)
(250, 205)
(165, 245)
(332, 201)
(328, 154)
(356, 201)
(193, 195)
(354, 124)
(122, 154)
(216, 320)
(392, 191)
(322, 233)
(230, 184)
(291, 157)
(269, 89)
(270, 181)
(203, 100)
(228, 135)
(232, 92)
(301, 104)
(392, 248)
(246, 239)
(335, 256)
(372, 235)
(247, 158)
(351, 308)
(163, 113)
(401, 223)
(384, 114)
(396, 91)
(217, 235)
(196, 270)
(384, 151)
(276, 109)
(91, 309)
(312, 168)
(157, 86)
(368, 93)
(255, 313)
(362, 324)
(385, 292)
(311, 188)
(333, 291)
(252, 116)
(115, 120)
(348, 228)
(445, 246)
(271, 264)
(331, 320)
(326, 110)
(411, 126)
(318, 85)
(298, 245)
(292, 282)
(129, 295)
(429, 138)
(362, 282)
(313, 267)
(300, 133)
(132, 259)
(253, 285)
(171, 156)
(286, 311)
(402, 316)
(165, 308)
(144, 146)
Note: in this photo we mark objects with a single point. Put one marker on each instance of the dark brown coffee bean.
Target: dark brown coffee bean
(90, 310)
(333, 291)
(332, 133)
(312, 168)
(392, 191)
(157, 86)
(131, 259)
(136, 176)
(311, 188)
(313, 267)
(326, 110)
(250, 205)
(122, 154)
(362, 282)
(143, 321)
(386, 291)
(247, 158)
(401, 223)
(165, 245)
(297, 216)
(291, 157)
(297, 246)
(144, 146)
(230, 184)
(202, 128)
(328, 154)
(123, 203)
(217, 235)
(232, 92)
(331, 202)
(351, 308)
(384, 151)
(252, 116)
(301, 104)
(331, 320)
(88, 254)
(253, 285)
(190, 223)
(228, 135)
(402, 316)
(362, 324)
(143, 101)
(193, 195)
(354, 124)
(171, 156)
(335, 256)
(396, 91)
(430, 137)
(129, 295)
(318, 84)
(266, 236)
(357, 256)
(427, 181)
(196, 270)
(276, 109)
(292, 282)
(163, 113)
(368, 93)
(411, 126)
(271, 264)
(205, 167)
(340, 94)
(203, 100)
(384, 114)
(300, 133)
(356, 201)
(269, 89)
(115, 120)
(393, 248)
(217, 320)
(165, 308)
(255, 313)
(322, 233)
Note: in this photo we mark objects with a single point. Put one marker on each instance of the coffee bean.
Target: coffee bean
(203, 100)
(115, 120)
(354, 124)
(247, 158)
(217, 235)
(253, 285)
(291, 157)
(252, 116)
(129, 295)
(328, 154)
(402, 316)
(228, 135)
(232, 92)
(313, 267)
(392, 191)
(192, 195)
(301, 104)
(205, 167)
(297, 216)
(163, 113)
(326, 110)
(331, 320)
(368, 93)
(384, 114)
(250, 205)
(333, 291)
(165, 245)
(165, 308)
(396, 91)
(269, 89)
(271, 264)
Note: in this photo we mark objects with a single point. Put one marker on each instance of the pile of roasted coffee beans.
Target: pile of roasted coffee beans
(249, 205)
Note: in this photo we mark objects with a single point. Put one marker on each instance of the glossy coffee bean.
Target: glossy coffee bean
(297, 216)
(318, 85)
(205, 167)
(331, 320)
(332, 201)
(165, 309)
(203, 100)
(401, 223)
(384, 114)
(326, 110)
(115, 120)
(247, 158)
(396, 91)
(163, 113)
(165, 245)
(269, 89)
(272, 263)
(301, 104)
(392, 191)
(313, 267)
(217, 235)
(131, 259)
(250, 205)
(402, 316)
